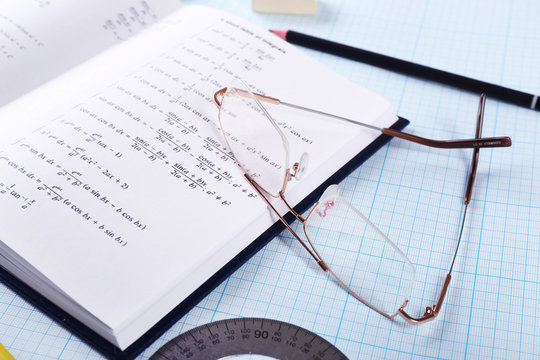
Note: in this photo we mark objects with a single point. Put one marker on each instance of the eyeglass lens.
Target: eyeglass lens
(252, 136)
(360, 255)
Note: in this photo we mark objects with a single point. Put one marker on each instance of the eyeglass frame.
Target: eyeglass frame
(431, 312)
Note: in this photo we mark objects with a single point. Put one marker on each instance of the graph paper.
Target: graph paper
(413, 194)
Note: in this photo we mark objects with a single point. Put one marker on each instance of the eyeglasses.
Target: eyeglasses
(339, 237)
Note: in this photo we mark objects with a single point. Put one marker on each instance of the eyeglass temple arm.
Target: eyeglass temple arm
(476, 151)
(502, 141)
(432, 312)
(490, 142)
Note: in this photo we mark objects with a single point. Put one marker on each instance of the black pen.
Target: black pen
(408, 68)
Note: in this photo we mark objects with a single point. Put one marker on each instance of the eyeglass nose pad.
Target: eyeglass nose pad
(301, 166)
(331, 191)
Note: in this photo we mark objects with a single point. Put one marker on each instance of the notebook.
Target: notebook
(120, 200)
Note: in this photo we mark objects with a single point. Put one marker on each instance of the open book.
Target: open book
(118, 196)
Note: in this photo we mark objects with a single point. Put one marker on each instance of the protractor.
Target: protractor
(261, 338)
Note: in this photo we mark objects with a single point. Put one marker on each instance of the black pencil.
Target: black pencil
(408, 68)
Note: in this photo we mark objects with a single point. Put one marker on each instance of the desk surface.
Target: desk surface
(412, 193)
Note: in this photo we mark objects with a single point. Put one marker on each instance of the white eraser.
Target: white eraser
(285, 6)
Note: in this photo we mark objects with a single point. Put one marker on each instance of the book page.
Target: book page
(130, 200)
(39, 39)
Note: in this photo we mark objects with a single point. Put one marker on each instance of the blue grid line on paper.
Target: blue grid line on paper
(496, 279)
(494, 341)
(498, 295)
